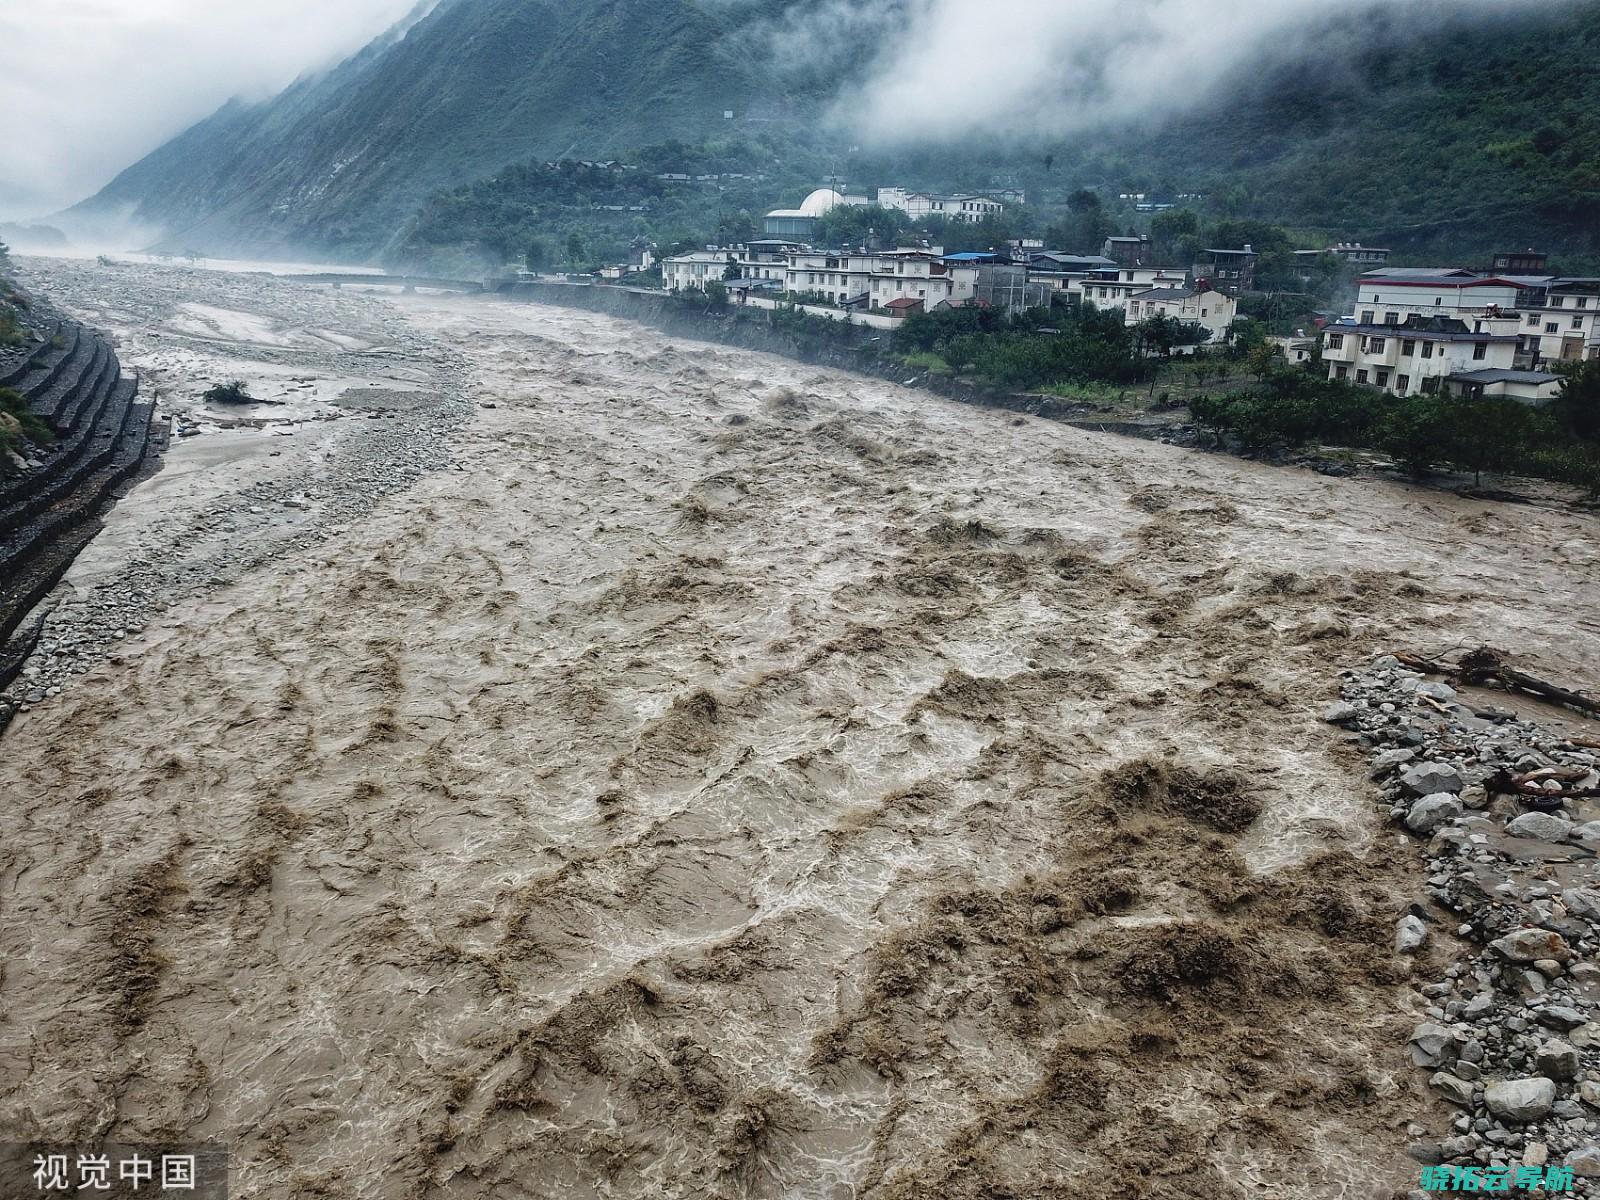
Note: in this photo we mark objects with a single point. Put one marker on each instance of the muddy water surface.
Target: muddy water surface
(749, 781)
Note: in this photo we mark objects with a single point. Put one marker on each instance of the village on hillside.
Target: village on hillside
(1495, 331)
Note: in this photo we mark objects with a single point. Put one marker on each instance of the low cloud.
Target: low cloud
(944, 69)
(90, 86)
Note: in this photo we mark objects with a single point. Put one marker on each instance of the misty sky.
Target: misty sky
(88, 87)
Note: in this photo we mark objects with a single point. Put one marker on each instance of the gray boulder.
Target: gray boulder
(1562, 1017)
(1432, 811)
(1425, 779)
(1410, 934)
(1340, 713)
(1530, 945)
(1582, 902)
(1520, 1100)
(1457, 1091)
(1558, 1060)
(1545, 827)
(1585, 1161)
(1431, 1045)
(1386, 761)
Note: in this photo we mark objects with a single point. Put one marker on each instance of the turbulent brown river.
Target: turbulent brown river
(746, 780)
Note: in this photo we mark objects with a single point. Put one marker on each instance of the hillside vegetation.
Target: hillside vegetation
(1434, 140)
(339, 162)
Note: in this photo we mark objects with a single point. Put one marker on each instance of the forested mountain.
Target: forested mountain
(1425, 142)
(1376, 129)
(337, 162)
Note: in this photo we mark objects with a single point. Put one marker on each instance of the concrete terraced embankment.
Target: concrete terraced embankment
(104, 434)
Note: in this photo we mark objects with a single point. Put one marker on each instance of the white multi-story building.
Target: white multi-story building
(681, 272)
(1211, 310)
(1416, 355)
(1113, 288)
(1562, 322)
(1388, 296)
(1556, 319)
(964, 206)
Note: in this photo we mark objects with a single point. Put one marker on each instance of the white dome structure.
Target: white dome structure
(821, 201)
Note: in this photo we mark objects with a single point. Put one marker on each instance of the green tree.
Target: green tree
(5, 257)
(1487, 433)
(1175, 234)
(1262, 359)
(575, 249)
(1577, 405)
(1416, 431)
(538, 254)
(1247, 333)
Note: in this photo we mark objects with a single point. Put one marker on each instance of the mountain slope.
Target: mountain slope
(337, 162)
(1428, 137)
(1489, 132)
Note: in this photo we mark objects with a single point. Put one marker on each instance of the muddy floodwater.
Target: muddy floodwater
(727, 778)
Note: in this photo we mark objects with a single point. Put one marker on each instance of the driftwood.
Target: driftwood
(1532, 794)
(1486, 667)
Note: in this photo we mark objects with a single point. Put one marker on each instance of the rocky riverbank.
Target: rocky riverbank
(1504, 796)
(357, 407)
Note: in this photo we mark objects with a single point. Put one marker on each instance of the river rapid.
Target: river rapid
(737, 779)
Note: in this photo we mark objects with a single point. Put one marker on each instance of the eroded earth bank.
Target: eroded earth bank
(744, 780)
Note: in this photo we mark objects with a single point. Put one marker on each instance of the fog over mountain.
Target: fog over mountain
(89, 86)
(1048, 67)
(1201, 95)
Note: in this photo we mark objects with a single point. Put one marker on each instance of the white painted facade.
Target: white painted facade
(1407, 360)
(1113, 289)
(1566, 326)
(963, 206)
(1212, 311)
(682, 272)
(1388, 297)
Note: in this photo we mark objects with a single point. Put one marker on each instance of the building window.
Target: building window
(1577, 322)
(1367, 315)
(1383, 379)
(1343, 371)
(1408, 347)
(1557, 301)
(1375, 346)
(1583, 302)
(1427, 349)
(1429, 386)
(1402, 384)
(1481, 350)
(1391, 318)
(1361, 376)
(1551, 327)
(1335, 341)
(1533, 318)
(1438, 300)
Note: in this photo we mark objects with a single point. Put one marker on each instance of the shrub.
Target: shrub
(19, 425)
(228, 393)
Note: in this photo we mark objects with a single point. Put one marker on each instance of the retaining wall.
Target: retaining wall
(47, 515)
